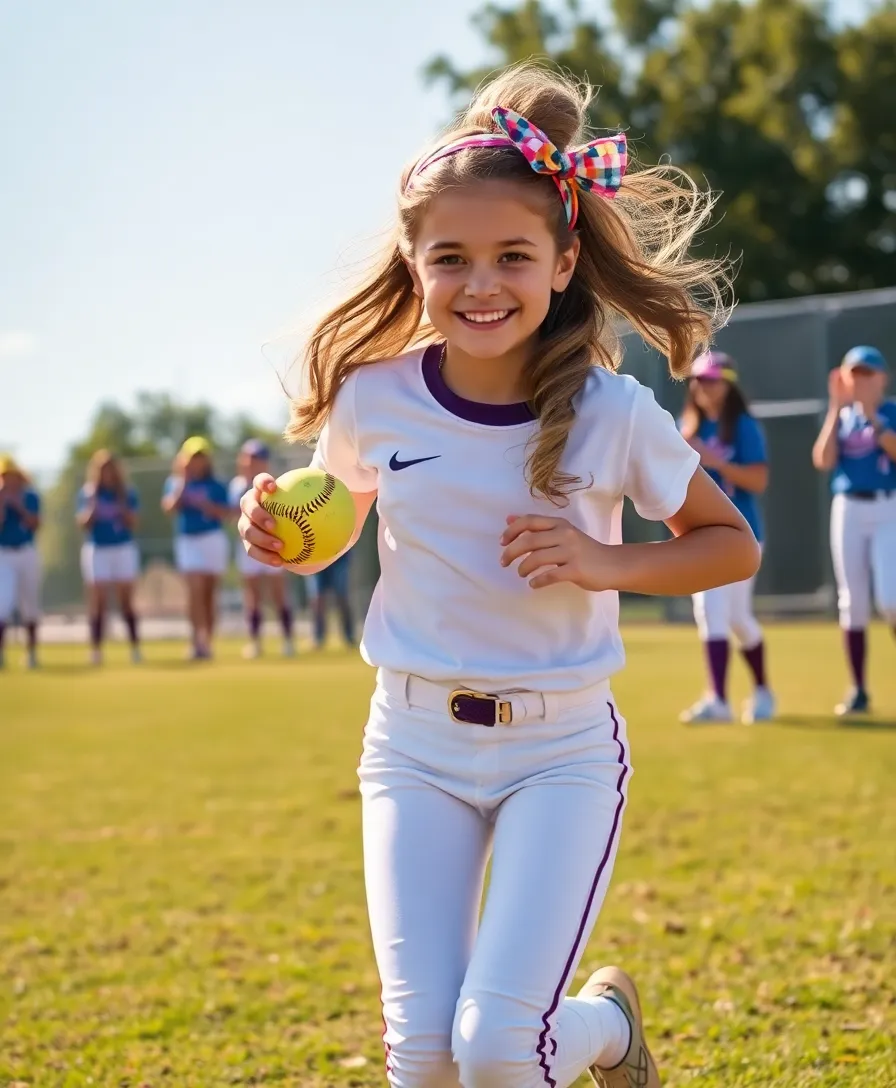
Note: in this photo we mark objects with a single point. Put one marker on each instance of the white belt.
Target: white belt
(468, 706)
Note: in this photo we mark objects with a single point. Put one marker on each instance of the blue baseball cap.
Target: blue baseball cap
(865, 356)
(254, 447)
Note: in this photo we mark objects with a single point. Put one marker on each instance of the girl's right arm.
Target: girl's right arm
(256, 526)
(171, 500)
(825, 451)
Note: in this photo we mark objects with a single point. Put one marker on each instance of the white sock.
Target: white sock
(603, 1031)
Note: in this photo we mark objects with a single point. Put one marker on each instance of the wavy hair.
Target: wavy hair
(99, 459)
(635, 263)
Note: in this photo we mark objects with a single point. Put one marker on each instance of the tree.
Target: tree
(767, 102)
(149, 436)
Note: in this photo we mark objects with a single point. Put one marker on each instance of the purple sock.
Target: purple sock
(717, 659)
(755, 659)
(130, 621)
(855, 651)
(96, 630)
(286, 622)
(253, 618)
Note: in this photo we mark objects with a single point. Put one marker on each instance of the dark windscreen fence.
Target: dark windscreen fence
(784, 351)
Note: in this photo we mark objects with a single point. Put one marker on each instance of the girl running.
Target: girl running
(498, 443)
(110, 561)
(198, 503)
(857, 443)
(19, 560)
(259, 580)
(717, 423)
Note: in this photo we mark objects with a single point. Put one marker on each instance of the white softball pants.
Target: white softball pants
(863, 547)
(483, 1007)
(728, 610)
(20, 583)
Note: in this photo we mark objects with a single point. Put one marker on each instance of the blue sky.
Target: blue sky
(182, 182)
(187, 181)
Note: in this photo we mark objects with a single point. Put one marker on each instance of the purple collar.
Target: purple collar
(492, 415)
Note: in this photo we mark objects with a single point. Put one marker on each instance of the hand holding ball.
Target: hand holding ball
(315, 515)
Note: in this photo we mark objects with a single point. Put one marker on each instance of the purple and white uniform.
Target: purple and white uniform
(545, 792)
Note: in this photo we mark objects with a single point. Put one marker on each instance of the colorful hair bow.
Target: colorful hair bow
(598, 166)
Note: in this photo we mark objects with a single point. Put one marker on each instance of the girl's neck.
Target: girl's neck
(488, 381)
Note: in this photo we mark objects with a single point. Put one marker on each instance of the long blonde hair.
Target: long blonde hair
(634, 264)
(98, 461)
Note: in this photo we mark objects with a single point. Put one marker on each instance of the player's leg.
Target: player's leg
(340, 586)
(761, 705)
(193, 581)
(29, 577)
(851, 555)
(555, 843)
(883, 561)
(252, 612)
(425, 852)
(318, 586)
(712, 613)
(91, 572)
(124, 590)
(279, 597)
(7, 595)
(96, 604)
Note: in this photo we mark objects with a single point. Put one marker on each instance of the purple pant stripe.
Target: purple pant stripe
(541, 1049)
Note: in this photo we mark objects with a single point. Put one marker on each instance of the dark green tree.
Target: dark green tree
(789, 117)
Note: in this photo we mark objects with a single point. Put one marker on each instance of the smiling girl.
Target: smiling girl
(498, 443)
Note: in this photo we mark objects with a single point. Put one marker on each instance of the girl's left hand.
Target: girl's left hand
(570, 554)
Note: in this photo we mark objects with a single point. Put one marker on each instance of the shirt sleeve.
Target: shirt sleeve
(31, 501)
(887, 413)
(337, 447)
(217, 493)
(133, 500)
(660, 462)
(752, 449)
(235, 491)
(81, 500)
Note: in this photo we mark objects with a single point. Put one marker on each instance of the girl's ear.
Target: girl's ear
(566, 266)
(415, 279)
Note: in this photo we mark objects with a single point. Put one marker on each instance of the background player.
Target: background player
(857, 443)
(19, 559)
(717, 422)
(498, 457)
(331, 583)
(259, 580)
(198, 503)
(110, 561)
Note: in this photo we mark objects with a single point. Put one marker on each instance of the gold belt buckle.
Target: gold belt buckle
(502, 709)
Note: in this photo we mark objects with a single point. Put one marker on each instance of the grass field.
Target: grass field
(181, 899)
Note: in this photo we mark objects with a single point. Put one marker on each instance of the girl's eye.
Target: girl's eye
(513, 257)
(449, 258)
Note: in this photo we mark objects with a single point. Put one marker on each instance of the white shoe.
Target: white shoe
(96, 656)
(251, 651)
(706, 710)
(289, 648)
(761, 708)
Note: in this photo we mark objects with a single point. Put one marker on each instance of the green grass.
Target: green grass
(181, 899)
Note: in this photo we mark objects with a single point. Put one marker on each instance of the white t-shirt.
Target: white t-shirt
(448, 472)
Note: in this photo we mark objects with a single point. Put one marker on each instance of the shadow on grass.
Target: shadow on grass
(831, 721)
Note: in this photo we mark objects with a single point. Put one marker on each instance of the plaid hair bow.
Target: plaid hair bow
(598, 166)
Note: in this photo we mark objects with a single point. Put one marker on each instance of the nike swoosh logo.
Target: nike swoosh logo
(397, 465)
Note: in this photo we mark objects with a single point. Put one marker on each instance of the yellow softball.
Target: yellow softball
(315, 515)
